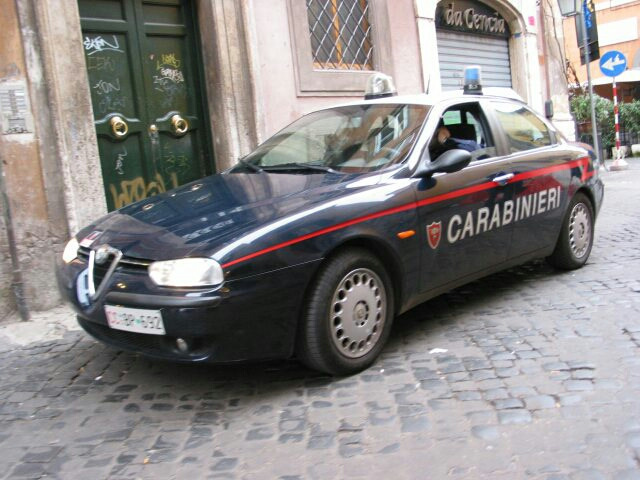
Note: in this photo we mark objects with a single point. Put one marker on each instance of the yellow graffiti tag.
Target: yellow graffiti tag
(168, 60)
(136, 189)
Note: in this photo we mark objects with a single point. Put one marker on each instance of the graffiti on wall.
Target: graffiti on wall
(101, 63)
(120, 161)
(100, 44)
(129, 191)
(168, 78)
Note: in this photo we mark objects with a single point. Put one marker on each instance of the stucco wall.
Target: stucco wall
(19, 153)
(63, 113)
(229, 69)
(7, 70)
(552, 66)
(276, 78)
(51, 172)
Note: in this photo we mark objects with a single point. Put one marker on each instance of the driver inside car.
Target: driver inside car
(445, 141)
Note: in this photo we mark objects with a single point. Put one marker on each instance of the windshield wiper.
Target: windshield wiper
(250, 166)
(299, 166)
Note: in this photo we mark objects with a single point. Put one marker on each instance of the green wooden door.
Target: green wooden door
(141, 58)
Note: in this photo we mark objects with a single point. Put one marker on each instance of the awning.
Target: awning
(632, 75)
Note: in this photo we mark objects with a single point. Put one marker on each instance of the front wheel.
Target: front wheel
(348, 314)
(576, 236)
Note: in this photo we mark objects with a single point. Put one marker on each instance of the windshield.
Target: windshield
(357, 138)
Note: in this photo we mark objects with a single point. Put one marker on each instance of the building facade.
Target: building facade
(106, 102)
(618, 26)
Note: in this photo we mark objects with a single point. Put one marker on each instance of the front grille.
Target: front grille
(125, 262)
(125, 265)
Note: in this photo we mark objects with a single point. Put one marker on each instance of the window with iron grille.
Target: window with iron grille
(340, 34)
(338, 43)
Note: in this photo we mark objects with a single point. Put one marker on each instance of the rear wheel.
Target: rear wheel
(348, 314)
(576, 236)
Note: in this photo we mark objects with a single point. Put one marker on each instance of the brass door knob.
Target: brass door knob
(180, 125)
(119, 127)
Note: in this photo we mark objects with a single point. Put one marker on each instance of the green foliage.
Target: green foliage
(630, 116)
(581, 109)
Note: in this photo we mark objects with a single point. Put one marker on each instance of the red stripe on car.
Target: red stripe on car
(581, 162)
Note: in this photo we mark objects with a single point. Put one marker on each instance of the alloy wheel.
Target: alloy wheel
(358, 312)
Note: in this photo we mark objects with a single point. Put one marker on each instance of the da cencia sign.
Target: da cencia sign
(471, 17)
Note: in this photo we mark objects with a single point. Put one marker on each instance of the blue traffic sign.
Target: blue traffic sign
(613, 63)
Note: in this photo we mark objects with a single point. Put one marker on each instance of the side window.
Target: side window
(451, 117)
(524, 130)
(472, 120)
(463, 127)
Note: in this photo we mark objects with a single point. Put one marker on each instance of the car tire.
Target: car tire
(576, 236)
(348, 314)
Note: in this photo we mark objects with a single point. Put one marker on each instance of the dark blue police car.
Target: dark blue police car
(314, 242)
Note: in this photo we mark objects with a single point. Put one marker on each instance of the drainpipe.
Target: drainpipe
(16, 283)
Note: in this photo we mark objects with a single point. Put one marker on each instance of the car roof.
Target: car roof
(433, 99)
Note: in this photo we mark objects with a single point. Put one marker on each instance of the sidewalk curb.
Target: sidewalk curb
(44, 326)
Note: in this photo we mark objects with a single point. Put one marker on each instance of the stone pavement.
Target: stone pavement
(530, 373)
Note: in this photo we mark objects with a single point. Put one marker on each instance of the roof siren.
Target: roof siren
(472, 80)
(379, 85)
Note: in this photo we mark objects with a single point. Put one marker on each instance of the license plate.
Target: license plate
(136, 320)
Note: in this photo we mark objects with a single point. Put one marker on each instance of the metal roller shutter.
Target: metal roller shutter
(457, 50)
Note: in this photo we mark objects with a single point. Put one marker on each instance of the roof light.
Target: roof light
(472, 80)
(379, 85)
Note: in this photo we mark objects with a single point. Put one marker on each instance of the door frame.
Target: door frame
(145, 174)
(69, 152)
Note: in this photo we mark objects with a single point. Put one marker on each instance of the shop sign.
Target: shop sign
(471, 17)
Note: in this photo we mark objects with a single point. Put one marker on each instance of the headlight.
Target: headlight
(70, 250)
(186, 272)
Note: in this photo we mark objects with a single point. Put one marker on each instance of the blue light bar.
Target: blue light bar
(472, 80)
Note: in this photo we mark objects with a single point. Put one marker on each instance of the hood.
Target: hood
(199, 217)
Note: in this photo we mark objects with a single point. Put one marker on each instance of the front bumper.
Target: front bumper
(248, 319)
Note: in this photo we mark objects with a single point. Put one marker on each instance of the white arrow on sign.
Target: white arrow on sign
(612, 63)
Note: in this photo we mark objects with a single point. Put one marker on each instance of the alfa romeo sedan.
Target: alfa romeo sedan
(314, 242)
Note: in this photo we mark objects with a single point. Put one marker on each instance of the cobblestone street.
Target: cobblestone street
(529, 373)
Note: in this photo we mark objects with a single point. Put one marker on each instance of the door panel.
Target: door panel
(146, 95)
(540, 183)
(540, 195)
(172, 110)
(475, 222)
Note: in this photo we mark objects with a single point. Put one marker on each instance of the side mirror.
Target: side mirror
(450, 161)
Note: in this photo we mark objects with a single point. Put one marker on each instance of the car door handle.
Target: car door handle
(503, 179)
